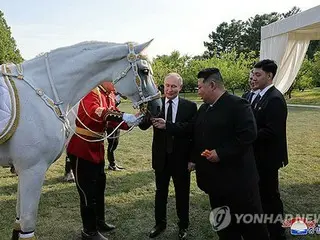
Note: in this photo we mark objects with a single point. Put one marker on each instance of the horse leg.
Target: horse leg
(16, 226)
(30, 185)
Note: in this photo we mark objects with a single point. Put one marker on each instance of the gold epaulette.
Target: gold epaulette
(102, 88)
(96, 90)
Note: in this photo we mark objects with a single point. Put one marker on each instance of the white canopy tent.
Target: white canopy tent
(286, 41)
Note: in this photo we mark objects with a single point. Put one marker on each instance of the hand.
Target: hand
(159, 123)
(132, 119)
(191, 166)
(212, 155)
(118, 99)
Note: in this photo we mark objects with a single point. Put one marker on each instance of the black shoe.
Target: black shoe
(156, 230)
(183, 233)
(92, 236)
(105, 227)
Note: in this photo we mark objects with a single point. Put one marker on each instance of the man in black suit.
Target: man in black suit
(253, 92)
(170, 154)
(224, 130)
(270, 148)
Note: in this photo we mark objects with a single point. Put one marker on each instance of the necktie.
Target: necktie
(256, 101)
(250, 95)
(169, 142)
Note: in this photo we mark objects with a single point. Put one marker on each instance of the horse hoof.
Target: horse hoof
(15, 234)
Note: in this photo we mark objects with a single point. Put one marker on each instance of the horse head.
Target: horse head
(73, 71)
(136, 81)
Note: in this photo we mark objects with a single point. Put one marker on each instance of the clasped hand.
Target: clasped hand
(159, 123)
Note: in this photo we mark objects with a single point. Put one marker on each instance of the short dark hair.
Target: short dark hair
(211, 74)
(268, 66)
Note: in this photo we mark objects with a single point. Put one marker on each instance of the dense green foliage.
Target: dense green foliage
(234, 68)
(8, 49)
(233, 48)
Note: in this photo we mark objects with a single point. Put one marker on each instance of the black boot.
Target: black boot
(15, 234)
(105, 227)
(92, 235)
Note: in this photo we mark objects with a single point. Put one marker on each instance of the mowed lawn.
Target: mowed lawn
(130, 193)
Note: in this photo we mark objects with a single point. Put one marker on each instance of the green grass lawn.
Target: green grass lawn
(130, 193)
(309, 96)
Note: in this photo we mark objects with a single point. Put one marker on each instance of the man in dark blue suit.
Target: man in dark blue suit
(253, 92)
(171, 153)
(270, 148)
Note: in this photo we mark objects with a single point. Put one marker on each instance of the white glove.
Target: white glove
(132, 119)
(118, 99)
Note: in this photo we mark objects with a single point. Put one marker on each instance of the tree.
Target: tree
(242, 36)
(314, 46)
(304, 76)
(316, 69)
(164, 64)
(252, 33)
(291, 12)
(8, 49)
(226, 38)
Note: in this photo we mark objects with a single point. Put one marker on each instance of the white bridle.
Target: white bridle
(132, 58)
(55, 105)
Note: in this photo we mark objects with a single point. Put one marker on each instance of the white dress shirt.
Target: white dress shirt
(255, 94)
(263, 91)
(175, 103)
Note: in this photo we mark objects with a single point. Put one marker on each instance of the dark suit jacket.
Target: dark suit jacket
(229, 128)
(246, 95)
(181, 139)
(271, 145)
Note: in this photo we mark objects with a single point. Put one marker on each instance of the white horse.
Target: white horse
(65, 75)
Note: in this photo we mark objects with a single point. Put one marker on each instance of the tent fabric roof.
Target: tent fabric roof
(287, 41)
(307, 22)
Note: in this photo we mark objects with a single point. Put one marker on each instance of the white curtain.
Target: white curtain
(288, 50)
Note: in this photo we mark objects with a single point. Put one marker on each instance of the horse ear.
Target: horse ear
(139, 48)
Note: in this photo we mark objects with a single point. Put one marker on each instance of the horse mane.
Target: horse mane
(85, 45)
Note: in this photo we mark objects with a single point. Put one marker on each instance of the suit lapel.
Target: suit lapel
(178, 115)
(162, 115)
(265, 97)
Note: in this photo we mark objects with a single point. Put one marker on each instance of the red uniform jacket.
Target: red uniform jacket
(96, 111)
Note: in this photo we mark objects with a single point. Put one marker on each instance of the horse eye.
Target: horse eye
(145, 71)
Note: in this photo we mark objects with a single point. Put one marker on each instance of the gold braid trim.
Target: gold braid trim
(16, 120)
(113, 115)
(88, 133)
(97, 92)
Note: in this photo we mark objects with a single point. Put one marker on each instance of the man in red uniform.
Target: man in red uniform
(87, 158)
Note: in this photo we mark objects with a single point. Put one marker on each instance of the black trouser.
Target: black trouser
(91, 183)
(181, 181)
(112, 145)
(67, 166)
(244, 202)
(270, 198)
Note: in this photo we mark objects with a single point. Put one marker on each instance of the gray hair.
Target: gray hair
(176, 75)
